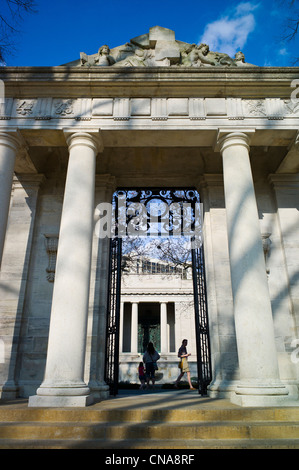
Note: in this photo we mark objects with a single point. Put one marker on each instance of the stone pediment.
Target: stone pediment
(159, 48)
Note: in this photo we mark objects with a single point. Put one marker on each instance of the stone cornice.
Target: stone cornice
(247, 82)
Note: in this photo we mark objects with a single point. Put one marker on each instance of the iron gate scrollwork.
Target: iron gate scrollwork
(175, 199)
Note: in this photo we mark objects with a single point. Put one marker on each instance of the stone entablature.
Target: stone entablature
(45, 109)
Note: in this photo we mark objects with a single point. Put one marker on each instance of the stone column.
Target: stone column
(9, 144)
(121, 327)
(259, 376)
(15, 265)
(163, 327)
(286, 190)
(64, 384)
(95, 357)
(134, 328)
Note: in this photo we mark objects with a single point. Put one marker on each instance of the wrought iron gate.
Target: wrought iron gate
(201, 321)
(167, 197)
(113, 316)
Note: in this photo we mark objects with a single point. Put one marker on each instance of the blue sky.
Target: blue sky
(61, 29)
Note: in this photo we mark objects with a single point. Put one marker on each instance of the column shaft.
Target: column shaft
(252, 307)
(9, 145)
(64, 384)
(121, 327)
(105, 185)
(163, 327)
(134, 328)
(15, 265)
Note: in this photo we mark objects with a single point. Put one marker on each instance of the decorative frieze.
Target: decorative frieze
(43, 109)
(102, 107)
(234, 108)
(64, 107)
(5, 108)
(196, 108)
(140, 107)
(25, 107)
(275, 108)
(121, 109)
(83, 107)
(254, 108)
(157, 109)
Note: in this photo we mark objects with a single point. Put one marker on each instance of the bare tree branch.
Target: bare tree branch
(171, 251)
(11, 17)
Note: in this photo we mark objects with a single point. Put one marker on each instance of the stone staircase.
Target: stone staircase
(149, 428)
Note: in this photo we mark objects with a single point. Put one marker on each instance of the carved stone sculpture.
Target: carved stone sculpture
(103, 57)
(159, 48)
(239, 60)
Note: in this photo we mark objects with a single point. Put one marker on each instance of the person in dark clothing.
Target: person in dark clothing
(150, 358)
(184, 366)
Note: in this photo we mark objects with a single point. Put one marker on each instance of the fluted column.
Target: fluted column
(134, 328)
(163, 327)
(9, 144)
(259, 376)
(64, 384)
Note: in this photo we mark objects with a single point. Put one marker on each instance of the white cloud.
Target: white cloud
(229, 33)
(283, 51)
(246, 7)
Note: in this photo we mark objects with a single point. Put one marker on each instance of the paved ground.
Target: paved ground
(157, 398)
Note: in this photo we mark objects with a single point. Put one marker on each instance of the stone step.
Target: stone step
(158, 431)
(48, 415)
(145, 444)
(130, 425)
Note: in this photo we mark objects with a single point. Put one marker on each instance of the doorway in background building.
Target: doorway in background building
(148, 326)
(177, 211)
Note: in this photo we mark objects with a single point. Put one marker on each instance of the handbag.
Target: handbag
(180, 364)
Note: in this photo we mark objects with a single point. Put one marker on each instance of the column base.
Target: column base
(60, 401)
(221, 388)
(9, 391)
(61, 394)
(263, 395)
(100, 391)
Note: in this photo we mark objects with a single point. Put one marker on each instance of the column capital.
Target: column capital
(85, 137)
(11, 137)
(28, 180)
(211, 180)
(233, 136)
(284, 181)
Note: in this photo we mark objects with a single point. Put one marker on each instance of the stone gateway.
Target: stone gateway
(155, 112)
